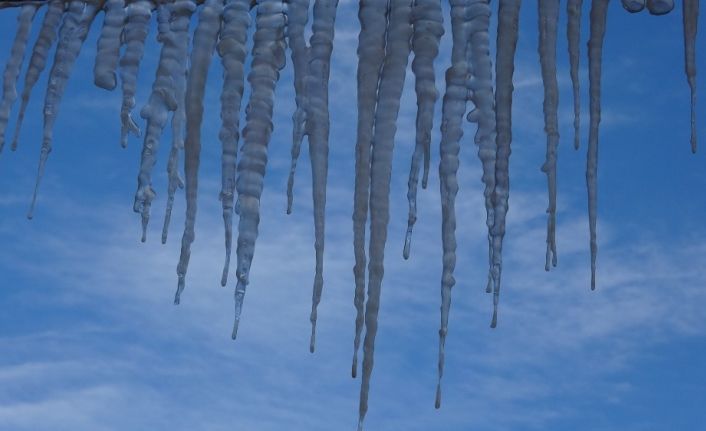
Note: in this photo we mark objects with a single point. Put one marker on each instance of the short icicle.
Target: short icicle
(372, 15)
(38, 60)
(399, 34)
(599, 12)
(268, 59)
(573, 33)
(427, 29)
(205, 38)
(690, 10)
(137, 28)
(633, 6)
(508, 17)
(548, 23)
(72, 34)
(660, 7)
(109, 43)
(14, 64)
(232, 49)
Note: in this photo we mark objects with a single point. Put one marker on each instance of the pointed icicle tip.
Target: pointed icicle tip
(437, 401)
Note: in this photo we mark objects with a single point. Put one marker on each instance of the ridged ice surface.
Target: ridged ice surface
(109, 43)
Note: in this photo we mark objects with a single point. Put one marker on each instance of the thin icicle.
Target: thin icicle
(633, 6)
(14, 64)
(268, 60)
(38, 60)
(573, 32)
(599, 12)
(109, 44)
(428, 27)
(72, 34)
(690, 11)
(660, 7)
(181, 11)
(297, 16)
(317, 129)
(548, 22)
(508, 17)
(162, 100)
(205, 38)
(232, 49)
(399, 34)
(137, 26)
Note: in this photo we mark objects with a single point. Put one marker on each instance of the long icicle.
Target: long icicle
(268, 59)
(13, 66)
(297, 16)
(548, 25)
(453, 109)
(508, 17)
(181, 11)
(690, 11)
(161, 102)
(427, 29)
(38, 60)
(109, 43)
(232, 49)
(599, 12)
(399, 34)
(317, 129)
(372, 15)
(205, 38)
(573, 34)
(72, 34)
(137, 27)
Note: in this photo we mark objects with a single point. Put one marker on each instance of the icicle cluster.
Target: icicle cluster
(391, 30)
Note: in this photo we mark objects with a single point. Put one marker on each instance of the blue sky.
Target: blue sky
(90, 340)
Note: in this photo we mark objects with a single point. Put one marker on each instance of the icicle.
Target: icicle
(162, 100)
(109, 45)
(428, 27)
(72, 34)
(573, 8)
(137, 27)
(599, 12)
(691, 19)
(297, 16)
(181, 11)
(633, 6)
(40, 52)
(268, 60)
(660, 7)
(548, 22)
(205, 38)
(232, 49)
(399, 33)
(508, 16)
(14, 64)
(372, 15)
(317, 129)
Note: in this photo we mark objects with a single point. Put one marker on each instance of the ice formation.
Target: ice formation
(391, 31)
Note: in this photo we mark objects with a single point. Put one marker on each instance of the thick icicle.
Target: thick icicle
(317, 129)
(548, 22)
(232, 49)
(399, 33)
(268, 60)
(181, 11)
(137, 27)
(633, 6)
(660, 7)
(38, 60)
(690, 11)
(14, 64)
(109, 44)
(573, 32)
(428, 27)
(297, 16)
(508, 17)
(205, 38)
(162, 100)
(599, 12)
(72, 34)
